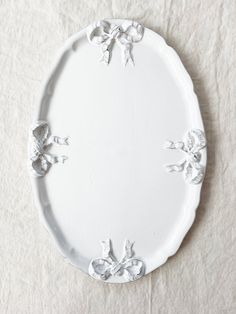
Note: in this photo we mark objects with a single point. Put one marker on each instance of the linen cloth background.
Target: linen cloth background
(201, 277)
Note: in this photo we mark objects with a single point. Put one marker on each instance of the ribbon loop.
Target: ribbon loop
(99, 32)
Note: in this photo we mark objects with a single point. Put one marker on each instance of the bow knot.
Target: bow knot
(106, 266)
(40, 159)
(115, 268)
(105, 35)
(192, 146)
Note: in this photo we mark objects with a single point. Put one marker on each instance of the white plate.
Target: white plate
(119, 181)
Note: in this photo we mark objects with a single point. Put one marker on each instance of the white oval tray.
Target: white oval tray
(118, 151)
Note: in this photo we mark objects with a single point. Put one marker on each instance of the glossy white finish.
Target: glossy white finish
(114, 184)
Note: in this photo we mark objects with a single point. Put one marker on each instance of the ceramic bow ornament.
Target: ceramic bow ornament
(40, 159)
(106, 266)
(191, 165)
(106, 35)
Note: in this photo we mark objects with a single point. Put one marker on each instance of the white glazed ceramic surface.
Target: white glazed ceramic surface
(111, 176)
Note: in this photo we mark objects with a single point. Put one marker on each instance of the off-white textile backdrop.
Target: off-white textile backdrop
(201, 277)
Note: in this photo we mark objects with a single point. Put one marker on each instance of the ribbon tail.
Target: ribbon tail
(173, 145)
(128, 250)
(52, 159)
(57, 140)
(127, 54)
(179, 167)
(106, 56)
(106, 51)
